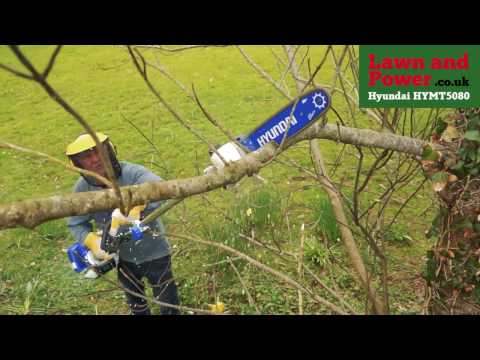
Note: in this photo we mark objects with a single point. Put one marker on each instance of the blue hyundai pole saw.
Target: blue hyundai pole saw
(294, 118)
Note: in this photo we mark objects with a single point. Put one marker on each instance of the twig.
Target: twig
(280, 66)
(49, 67)
(52, 159)
(16, 72)
(249, 297)
(215, 123)
(317, 69)
(166, 105)
(141, 133)
(194, 97)
(165, 73)
(305, 57)
(263, 73)
(290, 162)
(331, 291)
(264, 267)
(290, 62)
(300, 267)
(158, 302)
(216, 207)
(405, 203)
(277, 251)
(294, 257)
(221, 262)
(177, 49)
(161, 210)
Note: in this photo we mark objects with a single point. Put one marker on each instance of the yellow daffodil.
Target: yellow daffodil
(218, 308)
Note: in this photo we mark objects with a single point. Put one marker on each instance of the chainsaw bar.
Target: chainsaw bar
(292, 119)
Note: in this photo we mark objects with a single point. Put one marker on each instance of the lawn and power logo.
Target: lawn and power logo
(422, 76)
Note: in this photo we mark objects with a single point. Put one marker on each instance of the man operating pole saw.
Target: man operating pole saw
(119, 240)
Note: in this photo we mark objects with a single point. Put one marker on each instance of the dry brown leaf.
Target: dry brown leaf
(452, 178)
(450, 133)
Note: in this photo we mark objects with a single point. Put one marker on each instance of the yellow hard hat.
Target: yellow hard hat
(84, 142)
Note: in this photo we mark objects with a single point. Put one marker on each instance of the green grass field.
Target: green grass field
(101, 83)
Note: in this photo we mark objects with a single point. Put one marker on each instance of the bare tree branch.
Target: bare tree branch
(194, 97)
(156, 301)
(263, 73)
(16, 72)
(215, 123)
(31, 213)
(161, 210)
(177, 49)
(51, 61)
(142, 134)
(300, 267)
(52, 159)
(291, 58)
(264, 267)
(249, 297)
(177, 116)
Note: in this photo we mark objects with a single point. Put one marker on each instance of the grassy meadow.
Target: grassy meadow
(101, 83)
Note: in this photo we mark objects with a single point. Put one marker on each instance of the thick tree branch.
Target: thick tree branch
(364, 137)
(31, 213)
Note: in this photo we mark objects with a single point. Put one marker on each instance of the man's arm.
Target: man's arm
(80, 226)
(82, 231)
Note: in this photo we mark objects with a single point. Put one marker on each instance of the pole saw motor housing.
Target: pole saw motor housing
(229, 152)
(78, 257)
(82, 260)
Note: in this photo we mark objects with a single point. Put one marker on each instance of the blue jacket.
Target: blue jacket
(152, 246)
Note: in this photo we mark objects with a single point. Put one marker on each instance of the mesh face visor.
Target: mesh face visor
(77, 158)
(84, 154)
